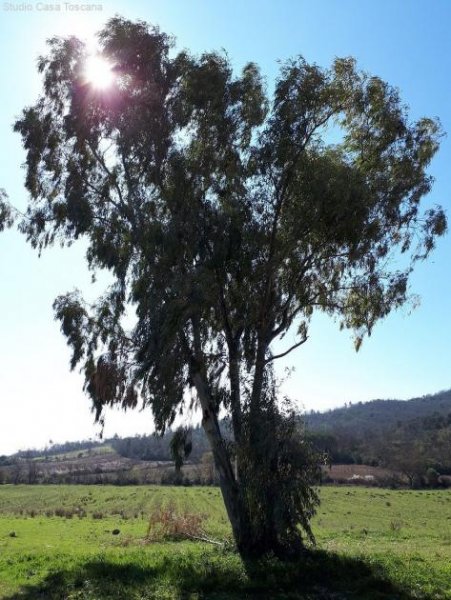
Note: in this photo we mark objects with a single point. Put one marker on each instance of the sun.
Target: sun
(99, 72)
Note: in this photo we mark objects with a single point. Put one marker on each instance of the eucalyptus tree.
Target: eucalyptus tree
(227, 216)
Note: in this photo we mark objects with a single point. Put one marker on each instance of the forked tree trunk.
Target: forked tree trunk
(255, 534)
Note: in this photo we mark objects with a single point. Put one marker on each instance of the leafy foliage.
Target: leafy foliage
(181, 446)
(6, 211)
(225, 217)
(280, 494)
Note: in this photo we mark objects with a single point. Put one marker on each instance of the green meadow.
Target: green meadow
(57, 542)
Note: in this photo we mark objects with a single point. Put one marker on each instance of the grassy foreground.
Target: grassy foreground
(371, 543)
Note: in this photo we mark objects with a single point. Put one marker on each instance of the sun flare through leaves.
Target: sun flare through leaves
(99, 72)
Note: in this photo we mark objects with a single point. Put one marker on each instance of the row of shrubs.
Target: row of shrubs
(81, 513)
(430, 479)
(122, 478)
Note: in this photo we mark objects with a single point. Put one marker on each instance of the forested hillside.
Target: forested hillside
(379, 415)
(411, 437)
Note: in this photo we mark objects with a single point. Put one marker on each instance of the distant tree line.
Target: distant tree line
(401, 436)
(155, 447)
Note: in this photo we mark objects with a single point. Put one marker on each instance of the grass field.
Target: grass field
(371, 543)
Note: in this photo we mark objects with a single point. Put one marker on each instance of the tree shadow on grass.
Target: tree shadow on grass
(217, 575)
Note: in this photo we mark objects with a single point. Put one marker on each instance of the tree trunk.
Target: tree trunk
(249, 501)
(251, 540)
(235, 396)
(227, 481)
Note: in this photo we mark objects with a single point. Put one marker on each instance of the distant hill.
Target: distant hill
(411, 437)
(378, 416)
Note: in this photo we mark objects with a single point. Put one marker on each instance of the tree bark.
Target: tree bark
(227, 481)
(235, 394)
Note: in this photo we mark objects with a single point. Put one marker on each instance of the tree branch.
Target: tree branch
(271, 358)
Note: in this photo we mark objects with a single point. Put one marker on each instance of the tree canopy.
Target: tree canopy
(226, 216)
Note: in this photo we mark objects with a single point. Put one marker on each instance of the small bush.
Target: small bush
(66, 513)
(395, 526)
(166, 523)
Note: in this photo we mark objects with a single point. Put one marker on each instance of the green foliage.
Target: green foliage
(224, 216)
(7, 212)
(279, 471)
(179, 151)
(180, 446)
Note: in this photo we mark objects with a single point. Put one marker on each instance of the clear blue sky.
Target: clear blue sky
(405, 42)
